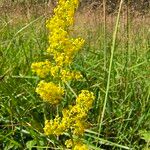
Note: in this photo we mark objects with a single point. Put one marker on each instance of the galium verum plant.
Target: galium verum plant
(57, 70)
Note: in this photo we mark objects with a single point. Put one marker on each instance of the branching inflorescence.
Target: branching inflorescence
(62, 49)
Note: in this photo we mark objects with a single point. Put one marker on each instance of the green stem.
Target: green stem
(104, 30)
(101, 117)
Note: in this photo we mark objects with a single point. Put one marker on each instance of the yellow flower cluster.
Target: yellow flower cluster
(50, 92)
(77, 145)
(74, 118)
(42, 69)
(67, 75)
(80, 146)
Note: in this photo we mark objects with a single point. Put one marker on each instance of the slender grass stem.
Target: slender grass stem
(101, 117)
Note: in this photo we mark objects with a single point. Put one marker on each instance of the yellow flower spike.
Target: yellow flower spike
(59, 29)
(62, 49)
(50, 92)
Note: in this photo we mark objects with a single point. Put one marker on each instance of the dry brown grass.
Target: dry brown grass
(89, 18)
(92, 13)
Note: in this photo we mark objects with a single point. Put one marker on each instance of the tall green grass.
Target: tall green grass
(116, 68)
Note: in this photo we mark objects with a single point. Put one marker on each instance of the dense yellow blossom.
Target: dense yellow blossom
(62, 46)
(51, 126)
(85, 100)
(63, 14)
(42, 69)
(74, 117)
(54, 127)
(50, 92)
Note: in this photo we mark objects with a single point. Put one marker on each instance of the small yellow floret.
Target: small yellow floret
(68, 143)
(42, 69)
(67, 75)
(80, 146)
(85, 100)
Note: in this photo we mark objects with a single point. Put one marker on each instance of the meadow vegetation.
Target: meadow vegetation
(114, 63)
